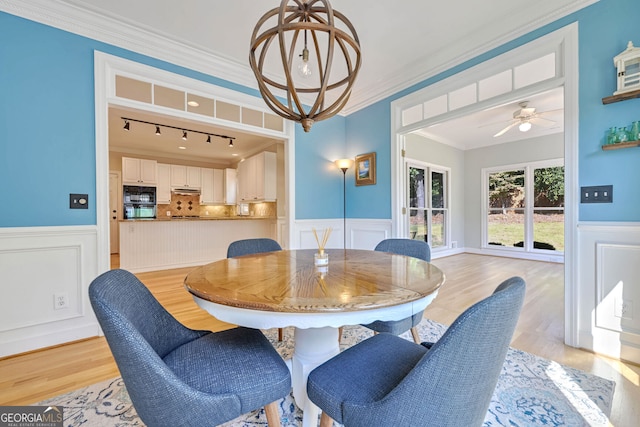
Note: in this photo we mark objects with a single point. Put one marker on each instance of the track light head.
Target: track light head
(126, 125)
(230, 142)
(184, 135)
(208, 139)
(157, 130)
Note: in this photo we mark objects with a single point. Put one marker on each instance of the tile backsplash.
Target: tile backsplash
(190, 205)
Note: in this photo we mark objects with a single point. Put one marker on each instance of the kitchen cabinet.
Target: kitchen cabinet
(218, 186)
(257, 178)
(139, 171)
(212, 190)
(185, 177)
(230, 186)
(163, 193)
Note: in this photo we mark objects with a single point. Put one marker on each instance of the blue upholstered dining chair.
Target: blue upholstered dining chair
(177, 376)
(254, 246)
(413, 248)
(389, 381)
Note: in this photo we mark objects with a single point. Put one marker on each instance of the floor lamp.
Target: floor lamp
(344, 165)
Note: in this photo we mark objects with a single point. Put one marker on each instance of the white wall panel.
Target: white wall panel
(360, 233)
(609, 289)
(35, 264)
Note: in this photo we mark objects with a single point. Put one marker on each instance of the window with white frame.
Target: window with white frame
(428, 204)
(524, 207)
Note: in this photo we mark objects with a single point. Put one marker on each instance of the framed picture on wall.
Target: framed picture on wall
(366, 169)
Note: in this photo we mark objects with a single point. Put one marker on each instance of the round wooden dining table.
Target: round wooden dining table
(285, 288)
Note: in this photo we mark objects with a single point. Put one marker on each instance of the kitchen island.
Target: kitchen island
(164, 243)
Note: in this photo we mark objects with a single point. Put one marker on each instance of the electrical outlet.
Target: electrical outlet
(60, 300)
(623, 308)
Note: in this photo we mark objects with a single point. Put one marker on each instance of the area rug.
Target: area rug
(531, 391)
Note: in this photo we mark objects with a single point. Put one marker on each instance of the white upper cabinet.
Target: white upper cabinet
(212, 191)
(185, 177)
(163, 192)
(139, 171)
(257, 178)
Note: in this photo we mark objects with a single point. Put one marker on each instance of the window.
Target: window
(428, 204)
(525, 207)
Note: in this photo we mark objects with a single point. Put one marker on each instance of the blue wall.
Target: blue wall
(47, 131)
(604, 30)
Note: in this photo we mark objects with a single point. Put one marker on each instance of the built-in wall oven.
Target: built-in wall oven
(139, 202)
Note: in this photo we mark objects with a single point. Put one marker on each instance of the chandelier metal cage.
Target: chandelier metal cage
(318, 36)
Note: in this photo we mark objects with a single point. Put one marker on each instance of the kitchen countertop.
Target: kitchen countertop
(201, 218)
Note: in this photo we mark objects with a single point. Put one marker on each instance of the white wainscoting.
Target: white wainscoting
(161, 245)
(609, 289)
(360, 233)
(37, 263)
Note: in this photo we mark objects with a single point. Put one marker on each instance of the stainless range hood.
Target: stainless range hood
(186, 191)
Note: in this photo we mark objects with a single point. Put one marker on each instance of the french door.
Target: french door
(428, 200)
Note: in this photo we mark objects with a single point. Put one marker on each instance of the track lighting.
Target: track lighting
(184, 131)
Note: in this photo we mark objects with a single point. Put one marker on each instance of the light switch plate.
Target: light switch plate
(597, 194)
(78, 201)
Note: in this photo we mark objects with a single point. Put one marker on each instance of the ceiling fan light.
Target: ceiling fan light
(524, 126)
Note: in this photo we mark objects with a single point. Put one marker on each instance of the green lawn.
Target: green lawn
(551, 232)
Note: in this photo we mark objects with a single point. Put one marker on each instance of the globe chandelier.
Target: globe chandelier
(313, 54)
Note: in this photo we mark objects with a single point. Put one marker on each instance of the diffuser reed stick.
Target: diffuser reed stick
(325, 237)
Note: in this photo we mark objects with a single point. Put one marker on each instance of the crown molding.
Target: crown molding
(423, 69)
(107, 29)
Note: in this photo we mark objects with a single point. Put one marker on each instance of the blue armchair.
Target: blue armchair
(252, 246)
(412, 248)
(388, 381)
(177, 376)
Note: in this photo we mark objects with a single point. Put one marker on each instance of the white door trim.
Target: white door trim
(565, 39)
(105, 66)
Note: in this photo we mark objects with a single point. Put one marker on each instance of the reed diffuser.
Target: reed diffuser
(321, 258)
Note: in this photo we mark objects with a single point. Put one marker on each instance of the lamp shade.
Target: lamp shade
(344, 164)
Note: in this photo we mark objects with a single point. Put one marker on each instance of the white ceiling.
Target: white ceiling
(402, 43)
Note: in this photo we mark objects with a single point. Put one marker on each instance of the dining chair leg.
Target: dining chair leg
(326, 420)
(279, 334)
(416, 336)
(273, 414)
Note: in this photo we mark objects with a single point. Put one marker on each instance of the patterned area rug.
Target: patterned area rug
(532, 391)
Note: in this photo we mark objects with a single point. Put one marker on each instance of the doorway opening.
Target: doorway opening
(485, 88)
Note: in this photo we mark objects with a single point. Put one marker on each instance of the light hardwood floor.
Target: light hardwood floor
(29, 378)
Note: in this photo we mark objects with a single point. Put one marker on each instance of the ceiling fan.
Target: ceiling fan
(525, 117)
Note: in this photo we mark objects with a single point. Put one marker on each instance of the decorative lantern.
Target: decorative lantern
(326, 47)
(628, 64)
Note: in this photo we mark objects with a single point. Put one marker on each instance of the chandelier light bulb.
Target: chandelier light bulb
(304, 68)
